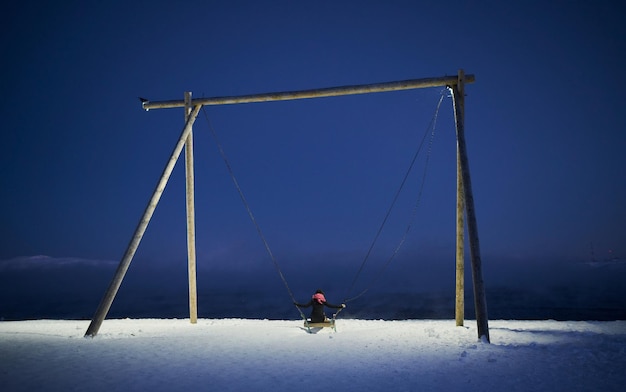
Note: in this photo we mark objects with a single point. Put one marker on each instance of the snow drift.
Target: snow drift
(275, 355)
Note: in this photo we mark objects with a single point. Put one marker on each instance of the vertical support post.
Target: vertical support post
(191, 217)
(459, 309)
(480, 301)
(120, 272)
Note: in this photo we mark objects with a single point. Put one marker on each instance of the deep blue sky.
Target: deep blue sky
(544, 124)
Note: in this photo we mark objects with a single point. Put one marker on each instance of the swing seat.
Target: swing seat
(324, 324)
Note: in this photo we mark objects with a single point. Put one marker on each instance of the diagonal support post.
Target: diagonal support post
(122, 267)
(480, 301)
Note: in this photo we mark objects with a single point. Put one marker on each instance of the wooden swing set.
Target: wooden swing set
(465, 201)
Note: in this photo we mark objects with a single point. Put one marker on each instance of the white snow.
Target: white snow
(265, 355)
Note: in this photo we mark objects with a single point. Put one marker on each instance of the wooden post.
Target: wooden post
(480, 302)
(122, 267)
(459, 309)
(191, 218)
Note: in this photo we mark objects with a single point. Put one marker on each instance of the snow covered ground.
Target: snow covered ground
(274, 355)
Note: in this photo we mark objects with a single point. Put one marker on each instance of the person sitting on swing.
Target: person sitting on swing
(318, 301)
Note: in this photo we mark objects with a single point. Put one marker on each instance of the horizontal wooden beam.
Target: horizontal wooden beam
(315, 93)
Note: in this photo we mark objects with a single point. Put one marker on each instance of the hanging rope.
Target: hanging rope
(430, 129)
(250, 214)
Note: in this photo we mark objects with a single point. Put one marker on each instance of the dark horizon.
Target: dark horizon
(73, 289)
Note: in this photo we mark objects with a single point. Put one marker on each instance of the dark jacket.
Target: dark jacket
(317, 313)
